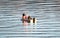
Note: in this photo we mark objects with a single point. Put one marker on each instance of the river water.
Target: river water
(47, 13)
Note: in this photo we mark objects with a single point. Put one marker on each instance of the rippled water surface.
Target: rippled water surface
(47, 13)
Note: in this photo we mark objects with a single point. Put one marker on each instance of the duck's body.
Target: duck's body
(34, 20)
(28, 19)
(31, 21)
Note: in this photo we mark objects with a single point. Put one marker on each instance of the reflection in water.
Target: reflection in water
(25, 23)
(29, 27)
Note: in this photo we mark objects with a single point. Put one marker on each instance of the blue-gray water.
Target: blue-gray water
(47, 13)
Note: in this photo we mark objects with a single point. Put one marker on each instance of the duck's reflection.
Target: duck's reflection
(29, 27)
(25, 23)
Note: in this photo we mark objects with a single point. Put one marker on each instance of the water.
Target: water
(46, 12)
